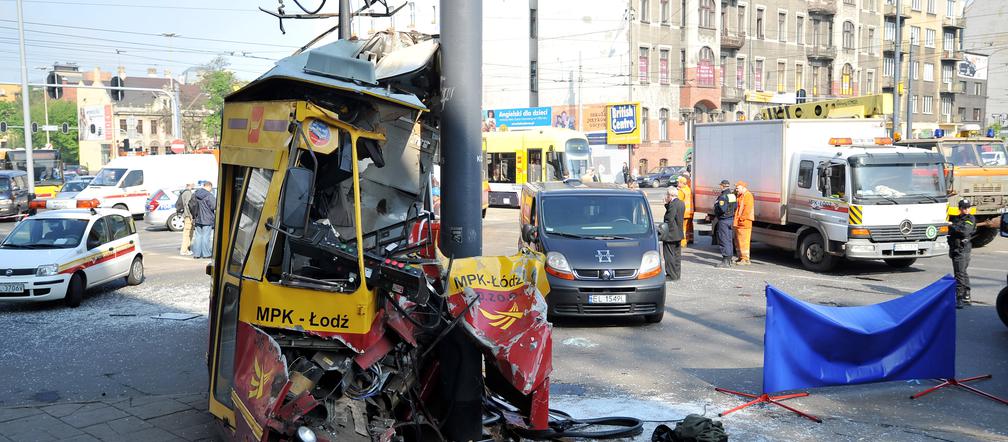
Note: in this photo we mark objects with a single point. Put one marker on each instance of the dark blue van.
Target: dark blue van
(602, 252)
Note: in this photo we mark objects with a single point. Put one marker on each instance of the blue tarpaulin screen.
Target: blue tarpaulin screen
(911, 337)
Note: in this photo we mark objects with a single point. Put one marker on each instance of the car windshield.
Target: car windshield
(578, 157)
(42, 233)
(596, 215)
(108, 177)
(74, 186)
(920, 180)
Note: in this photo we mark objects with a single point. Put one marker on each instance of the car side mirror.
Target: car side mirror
(297, 195)
(528, 233)
(1004, 225)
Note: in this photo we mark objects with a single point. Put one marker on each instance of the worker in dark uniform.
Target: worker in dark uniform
(960, 234)
(724, 211)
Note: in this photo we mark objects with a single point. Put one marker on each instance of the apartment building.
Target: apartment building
(985, 34)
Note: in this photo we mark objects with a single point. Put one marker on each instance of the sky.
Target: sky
(110, 33)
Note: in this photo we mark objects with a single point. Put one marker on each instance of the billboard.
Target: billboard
(95, 123)
(974, 66)
(517, 118)
(623, 123)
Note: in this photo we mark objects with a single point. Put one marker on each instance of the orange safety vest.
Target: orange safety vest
(745, 212)
(686, 195)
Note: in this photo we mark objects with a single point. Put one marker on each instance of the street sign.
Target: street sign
(50, 127)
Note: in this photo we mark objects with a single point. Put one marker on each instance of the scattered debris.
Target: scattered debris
(176, 316)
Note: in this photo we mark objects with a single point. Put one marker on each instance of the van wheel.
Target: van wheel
(814, 254)
(900, 263)
(136, 272)
(121, 207)
(75, 291)
(1002, 305)
(175, 223)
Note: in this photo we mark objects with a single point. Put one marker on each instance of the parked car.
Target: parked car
(662, 176)
(601, 247)
(73, 187)
(160, 210)
(58, 254)
(14, 196)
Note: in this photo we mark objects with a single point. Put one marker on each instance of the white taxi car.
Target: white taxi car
(58, 254)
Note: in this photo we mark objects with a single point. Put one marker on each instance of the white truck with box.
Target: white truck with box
(828, 189)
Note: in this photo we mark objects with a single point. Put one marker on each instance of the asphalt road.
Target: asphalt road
(712, 335)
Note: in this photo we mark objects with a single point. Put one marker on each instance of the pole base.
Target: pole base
(961, 383)
(766, 398)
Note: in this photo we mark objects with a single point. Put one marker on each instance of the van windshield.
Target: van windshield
(596, 216)
(108, 177)
(4, 184)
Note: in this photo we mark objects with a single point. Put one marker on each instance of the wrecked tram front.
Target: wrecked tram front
(328, 293)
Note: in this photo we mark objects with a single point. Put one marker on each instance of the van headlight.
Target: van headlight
(557, 265)
(650, 265)
(47, 270)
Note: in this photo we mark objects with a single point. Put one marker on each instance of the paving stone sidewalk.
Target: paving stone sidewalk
(147, 418)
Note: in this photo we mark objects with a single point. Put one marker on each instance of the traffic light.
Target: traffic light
(55, 92)
(65, 128)
(3, 127)
(126, 144)
(34, 127)
(117, 94)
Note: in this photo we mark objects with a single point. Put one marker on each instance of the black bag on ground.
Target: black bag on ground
(694, 428)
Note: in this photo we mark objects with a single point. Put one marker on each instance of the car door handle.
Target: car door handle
(111, 249)
(131, 242)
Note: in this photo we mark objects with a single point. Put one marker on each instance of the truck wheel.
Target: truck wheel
(1002, 306)
(900, 263)
(984, 236)
(814, 254)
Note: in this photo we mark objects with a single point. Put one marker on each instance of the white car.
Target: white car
(161, 212)
(58, 254)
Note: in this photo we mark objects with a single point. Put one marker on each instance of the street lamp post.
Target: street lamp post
(25, 107)
(45, 106)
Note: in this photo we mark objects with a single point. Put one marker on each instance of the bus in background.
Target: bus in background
(48, 169)
(980, 173)
(517, 157)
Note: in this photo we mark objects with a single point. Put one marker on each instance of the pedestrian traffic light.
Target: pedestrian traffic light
(55, 92)
(117, 94)
(34, 127)
(65, 128)
(3, 127)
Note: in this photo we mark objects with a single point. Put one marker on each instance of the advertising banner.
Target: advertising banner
(974, 66)
(95, 123)
(517, 118)
(623, 123)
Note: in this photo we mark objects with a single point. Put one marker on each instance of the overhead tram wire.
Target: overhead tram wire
(149, 34)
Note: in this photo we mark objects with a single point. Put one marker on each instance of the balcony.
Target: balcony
(951, 119)
(951, 55)
(730, 94)
(732, 40)
(890, 10)
(953, 22)
(820, 52)
(952, 88)
(822, 7)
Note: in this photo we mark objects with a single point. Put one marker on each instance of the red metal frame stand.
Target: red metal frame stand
(766, 398)
(961, 383)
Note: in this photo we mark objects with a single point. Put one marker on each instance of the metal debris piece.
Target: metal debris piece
(177, 316)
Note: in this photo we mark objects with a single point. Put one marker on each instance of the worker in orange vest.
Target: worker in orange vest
(686, 196)
(745, 214)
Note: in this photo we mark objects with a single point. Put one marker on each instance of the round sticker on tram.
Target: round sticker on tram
(932, 232)
(318, 133)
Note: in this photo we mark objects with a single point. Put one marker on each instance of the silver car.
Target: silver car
(160, 210)
(72, 187)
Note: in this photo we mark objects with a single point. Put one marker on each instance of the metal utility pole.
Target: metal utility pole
(461, 187)
(344, 19)
(909, 91)
(580, 125)
(898, 63)
(533, 53)
(29, 164)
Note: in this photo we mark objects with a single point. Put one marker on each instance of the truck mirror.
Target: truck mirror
(528, 233)
(297, 193)
(823, 179)
(949, 171)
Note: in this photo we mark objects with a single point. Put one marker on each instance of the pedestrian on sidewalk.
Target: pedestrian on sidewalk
(960, 247)
(724, 211)
(672, 235)
(182, 208)
(203, 206)
(745, 214)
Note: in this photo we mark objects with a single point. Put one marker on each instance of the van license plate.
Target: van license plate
(607, 299)
(11, 288)
(905, 247)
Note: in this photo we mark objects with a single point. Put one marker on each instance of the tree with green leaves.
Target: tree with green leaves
(217, 82)
(60, 111)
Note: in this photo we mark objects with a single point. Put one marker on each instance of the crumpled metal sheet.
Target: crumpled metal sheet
(260, 374)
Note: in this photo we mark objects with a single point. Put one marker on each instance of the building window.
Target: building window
(663, 66)
(663, 125)
(888, 67)
(915, 70)
(642, 166)
(800, 30)
(848, 35)
(645, 13)
(928, 103)
(913, 104)
(644, 124)
(846, 80)
(869, 47)
(705, 67)
(743, 25)
(848, 2)
(740, 73)
(947, 73)
(931, 6)
(977, 116)
(706, 14)
(682, 66)
(139, 126)
(948, 41)
(915, 5)
(870, 82)
(928, 71)
(664, 11)
(643, 65)
(950, 8)
(758, 74)
(915, 35)
(929, 38)
(978, 89)
(799, 76)
(153, 127)
(781, 76)
(122, 126)
(815, 81)
(962, 86)
(663, 162)
(946, 107)
(782, 26)
(890, 31)
(721, 69)
(759, 24)
(533, 76)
